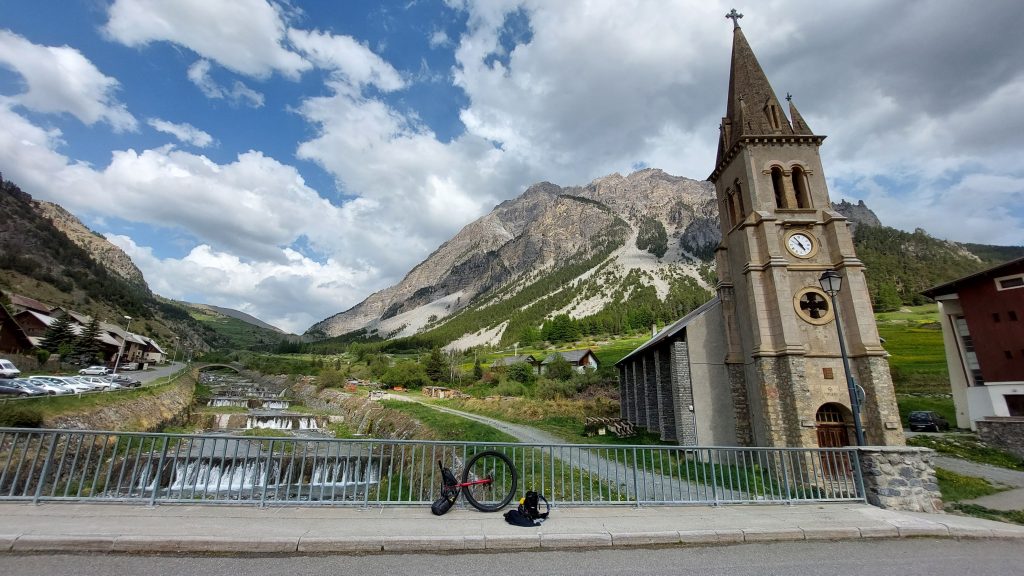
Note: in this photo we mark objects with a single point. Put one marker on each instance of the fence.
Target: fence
(66, 465)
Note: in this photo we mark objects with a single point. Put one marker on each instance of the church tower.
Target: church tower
(779, 234)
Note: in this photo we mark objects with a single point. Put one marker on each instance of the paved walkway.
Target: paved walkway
(1005, 501)
(53, 527)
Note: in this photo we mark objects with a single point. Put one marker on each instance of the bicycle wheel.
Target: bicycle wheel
(501, 476)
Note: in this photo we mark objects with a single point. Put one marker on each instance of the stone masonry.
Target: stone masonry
(1004, 433)
(686, 426)
(900, 478)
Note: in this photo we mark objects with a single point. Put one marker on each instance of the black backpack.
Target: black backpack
(529, 514)
(442, 505)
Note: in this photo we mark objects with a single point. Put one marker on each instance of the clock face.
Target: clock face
(800, 245)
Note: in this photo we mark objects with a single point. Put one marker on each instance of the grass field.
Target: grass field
(913, 338)
(448, 426)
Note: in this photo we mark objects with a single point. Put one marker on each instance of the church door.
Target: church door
(832, 433)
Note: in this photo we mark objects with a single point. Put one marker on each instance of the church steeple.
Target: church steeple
(799, 124)
(752, 109)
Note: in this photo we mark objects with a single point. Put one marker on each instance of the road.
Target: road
(914, 557)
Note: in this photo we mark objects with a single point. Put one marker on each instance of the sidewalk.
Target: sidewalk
(228, 529)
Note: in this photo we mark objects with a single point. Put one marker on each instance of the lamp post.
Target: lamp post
(831, 282)
(120, 350)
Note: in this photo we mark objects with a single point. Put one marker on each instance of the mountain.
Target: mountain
(238, 315)
(232, 329)
(573, 250)
(613, 256)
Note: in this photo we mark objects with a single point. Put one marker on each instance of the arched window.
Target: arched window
(803, 195)
(778, 185)
(739, 200)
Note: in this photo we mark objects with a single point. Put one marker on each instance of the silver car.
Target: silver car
(95, 382)
(51, 384)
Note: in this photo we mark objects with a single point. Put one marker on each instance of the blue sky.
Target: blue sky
(289, 158)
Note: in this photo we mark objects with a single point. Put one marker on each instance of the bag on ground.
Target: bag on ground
(528, 513)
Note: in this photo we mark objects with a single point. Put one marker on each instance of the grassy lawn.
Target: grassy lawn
(956, 487)
(913, 338)
(968, 447)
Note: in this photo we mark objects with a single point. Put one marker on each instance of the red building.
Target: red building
(982, 319)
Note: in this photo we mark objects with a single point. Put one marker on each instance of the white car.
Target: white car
(52, 384)
(95, 382)
(8, 369)
(94, 371)
(72, 383)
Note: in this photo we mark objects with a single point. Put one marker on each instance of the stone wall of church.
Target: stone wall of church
(900, 478)
(880, 414)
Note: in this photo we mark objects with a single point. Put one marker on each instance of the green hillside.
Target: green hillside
(227, 332)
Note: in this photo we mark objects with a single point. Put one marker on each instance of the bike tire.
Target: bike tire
(497, 494)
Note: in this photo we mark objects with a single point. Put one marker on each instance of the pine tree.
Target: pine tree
(435, 365)
(478, 370)
(87, 345)
(60, 335)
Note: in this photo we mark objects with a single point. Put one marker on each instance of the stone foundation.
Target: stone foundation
(899, 478)
(1003, 433)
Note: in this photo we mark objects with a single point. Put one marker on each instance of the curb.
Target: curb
(135, 544)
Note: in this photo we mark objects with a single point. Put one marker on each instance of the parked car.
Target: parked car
(125, 381)
(95, 382)
(9, 389)
(8, 369)
(75, 385)
(94, 371)
(927, 420)
(27, 386)
(51, 384)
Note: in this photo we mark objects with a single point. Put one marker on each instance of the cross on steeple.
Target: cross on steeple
(735, 17)
(789, 97)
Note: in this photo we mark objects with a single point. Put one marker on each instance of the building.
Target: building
(506, 361)
(580, 360)
(760, 364)
(13, 339)
(982, 317)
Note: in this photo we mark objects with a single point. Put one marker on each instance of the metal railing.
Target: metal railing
(151, 468)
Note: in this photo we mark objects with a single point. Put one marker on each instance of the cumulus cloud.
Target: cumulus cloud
(356, 64)
(184, 132)
(291, 292)
(239, 93)
(245, 36)
(59, 79)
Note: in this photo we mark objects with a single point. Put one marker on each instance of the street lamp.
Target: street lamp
(120, 350)
(831, 282)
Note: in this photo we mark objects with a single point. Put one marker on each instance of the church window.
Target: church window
(813, 306)
(739, 200)
(779, 187)
(772, 112)
(803, 197)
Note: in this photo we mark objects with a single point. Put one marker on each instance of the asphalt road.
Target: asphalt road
(916, 557)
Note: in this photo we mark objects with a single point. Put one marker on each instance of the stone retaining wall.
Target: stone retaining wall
(900, 478)
(1003, 433)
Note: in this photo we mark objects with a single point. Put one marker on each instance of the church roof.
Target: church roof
(673, 329)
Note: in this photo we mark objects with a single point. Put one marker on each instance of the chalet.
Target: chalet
(506, 361)
(982, 317)
(153, 354)
(12, 338)
(580, 360)
(20, 303)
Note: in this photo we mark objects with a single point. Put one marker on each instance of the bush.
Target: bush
(559, 368)
(330, 378)
(552, 389)
(510, 388)
(20, 417)
(522, 373)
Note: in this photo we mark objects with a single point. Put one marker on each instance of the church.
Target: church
(762, 363)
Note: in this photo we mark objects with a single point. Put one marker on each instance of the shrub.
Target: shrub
(559, 368)
(522, 373)
(510, 388)
(552, 389)
(20, 417)
(330, 378)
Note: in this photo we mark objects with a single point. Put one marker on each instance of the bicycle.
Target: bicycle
(489, 482)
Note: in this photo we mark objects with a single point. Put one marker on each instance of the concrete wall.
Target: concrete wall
(713, 407)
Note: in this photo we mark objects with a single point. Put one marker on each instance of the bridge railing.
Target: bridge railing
(150, 468)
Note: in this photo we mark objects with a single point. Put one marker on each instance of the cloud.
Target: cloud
(439, 39)
(239, 93)
(291, 292)
(184, 132)
(245, 36)
(353, 62)
(59, 79)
